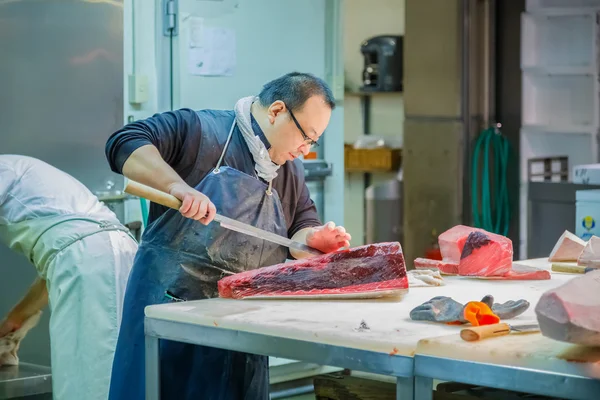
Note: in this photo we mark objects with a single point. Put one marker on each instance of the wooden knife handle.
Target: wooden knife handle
(485, 331)
(565, 267)
(154, 195)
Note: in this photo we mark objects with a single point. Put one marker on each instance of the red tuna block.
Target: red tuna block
(571, 312)
(370, 269)
(486, 254)
(453, 240)
(476, 251)
(445, 268)
(523, 273)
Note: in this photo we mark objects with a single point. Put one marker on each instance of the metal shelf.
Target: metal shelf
(24, 380)
(560, 69)
(316, 170)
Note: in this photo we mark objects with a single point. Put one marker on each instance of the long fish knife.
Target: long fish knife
(167, 200)
(485, 331)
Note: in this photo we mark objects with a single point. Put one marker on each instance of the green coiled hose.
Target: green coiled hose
(494, 215)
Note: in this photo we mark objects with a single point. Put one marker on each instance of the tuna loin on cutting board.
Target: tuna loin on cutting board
(486, 254)
(571, 312)
(453, 241)
(367, 271)
(469, 251)
(451, 244)
(567, 248)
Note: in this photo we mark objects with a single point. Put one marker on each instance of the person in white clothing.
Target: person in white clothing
(83, 256)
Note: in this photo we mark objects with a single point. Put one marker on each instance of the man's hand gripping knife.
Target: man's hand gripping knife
(485, 312)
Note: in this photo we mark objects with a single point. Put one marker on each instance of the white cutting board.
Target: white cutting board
(335, 322)
(531, 350)
(541, 263)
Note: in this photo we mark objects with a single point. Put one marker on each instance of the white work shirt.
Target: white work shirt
(31, 188)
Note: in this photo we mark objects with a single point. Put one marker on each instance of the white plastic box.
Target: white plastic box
(587, 213)
(587, 174)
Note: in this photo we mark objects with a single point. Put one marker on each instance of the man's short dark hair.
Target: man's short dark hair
(294, 89)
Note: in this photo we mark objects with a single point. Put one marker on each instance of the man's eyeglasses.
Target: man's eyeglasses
(306, 138)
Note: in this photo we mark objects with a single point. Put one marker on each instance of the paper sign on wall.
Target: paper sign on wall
(212, 50)
(195, 27)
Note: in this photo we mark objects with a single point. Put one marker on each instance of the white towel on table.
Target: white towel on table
(425, 277)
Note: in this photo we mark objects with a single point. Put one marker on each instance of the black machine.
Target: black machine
(382, 71)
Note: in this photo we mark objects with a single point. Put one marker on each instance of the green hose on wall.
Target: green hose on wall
(494, 214)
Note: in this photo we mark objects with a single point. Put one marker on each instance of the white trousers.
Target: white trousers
(86, 290)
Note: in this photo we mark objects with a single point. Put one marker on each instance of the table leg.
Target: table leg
(152, 369)
(404, 388)
(423, 388)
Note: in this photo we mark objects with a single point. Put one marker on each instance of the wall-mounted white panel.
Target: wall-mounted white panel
(579, 147)
(540, 4)
(558, 40)
(559, 101)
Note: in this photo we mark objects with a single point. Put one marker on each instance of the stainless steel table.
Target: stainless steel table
(528, 363)
(326, 333)
(24, 380)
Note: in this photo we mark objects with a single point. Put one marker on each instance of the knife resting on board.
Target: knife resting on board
(167, 200)
(485, 331)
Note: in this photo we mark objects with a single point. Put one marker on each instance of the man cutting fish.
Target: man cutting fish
(83, 256)
(244, 164)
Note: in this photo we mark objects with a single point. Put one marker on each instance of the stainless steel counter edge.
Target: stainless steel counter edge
(322, 354)
(24, 380)
(511, 378)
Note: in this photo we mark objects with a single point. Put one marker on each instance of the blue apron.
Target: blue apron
(181, 258)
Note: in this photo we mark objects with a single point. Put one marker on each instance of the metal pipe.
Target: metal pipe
(486, 63)
(465, 108)
(489, 60)
(297, 391)
(492, 59)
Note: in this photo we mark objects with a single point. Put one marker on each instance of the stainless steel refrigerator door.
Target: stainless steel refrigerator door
(61, 96)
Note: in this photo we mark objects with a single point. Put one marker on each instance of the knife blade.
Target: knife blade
(250, 230)
(475, 333)
(167, 200)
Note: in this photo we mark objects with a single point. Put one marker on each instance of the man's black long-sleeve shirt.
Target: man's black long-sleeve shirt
(178, 136)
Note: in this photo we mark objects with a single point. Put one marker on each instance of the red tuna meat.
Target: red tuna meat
(366, 269)
(453, 240)
(478, 253)
(523, 273)
(445, 268)
(486, 254)
(571, 312)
